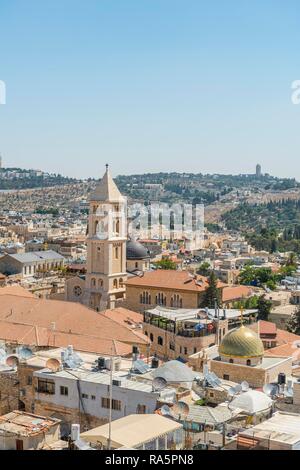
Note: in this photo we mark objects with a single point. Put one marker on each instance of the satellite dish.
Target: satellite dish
(166, 410)
(159, 383)
(271, 390)
(25, 353)
(231, 392)
(53, 364)
(12, 361)
(238, 388)
(245, 386)
(181, 408)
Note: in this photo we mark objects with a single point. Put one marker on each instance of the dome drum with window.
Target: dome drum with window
(241, 346)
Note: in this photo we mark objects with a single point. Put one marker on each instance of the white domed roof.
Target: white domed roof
(251, 402)
(175, 371)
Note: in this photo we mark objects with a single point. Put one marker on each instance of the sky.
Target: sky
(150, 85)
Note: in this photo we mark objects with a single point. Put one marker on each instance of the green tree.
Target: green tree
(293, 323)
(264, 308)
(204, 269)
(165, 264)
(212, 294)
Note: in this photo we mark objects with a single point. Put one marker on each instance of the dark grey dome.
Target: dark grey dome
(135, 250)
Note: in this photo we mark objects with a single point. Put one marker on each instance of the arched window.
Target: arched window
(151, 336)
(161, 299)
(231, 361)
(176, 301)
(118, 227)
(100, 283)
(121, 282)
(93, 282)
(160, 341)
(141, 298)
(248, 362)
(115, 284)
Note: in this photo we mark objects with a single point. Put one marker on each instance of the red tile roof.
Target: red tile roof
(58, 323)
(171, 279)
(231, 293)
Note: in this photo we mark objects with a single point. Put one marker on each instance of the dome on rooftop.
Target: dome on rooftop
(241, 342)
(252, 402)
(175, 371)
(135, 250)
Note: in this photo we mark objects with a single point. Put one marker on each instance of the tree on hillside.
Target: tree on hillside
(293, 323)
(204, 269)
(264, 308)
(212, 295)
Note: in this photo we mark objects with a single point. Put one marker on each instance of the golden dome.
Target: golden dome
(241, 342)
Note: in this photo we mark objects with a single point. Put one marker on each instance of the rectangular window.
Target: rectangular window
(64, 391)
(226, 377)
(29, 379)
(185, 351)
(46, 386)
(116, 404)
(84, 395)
(93, 397)
(141, 409)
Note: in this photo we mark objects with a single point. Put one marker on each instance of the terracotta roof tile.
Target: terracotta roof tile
(171, 279)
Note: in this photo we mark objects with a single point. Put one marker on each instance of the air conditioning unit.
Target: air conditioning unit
(117, 382)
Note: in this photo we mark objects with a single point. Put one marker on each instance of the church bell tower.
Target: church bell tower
(106, 246)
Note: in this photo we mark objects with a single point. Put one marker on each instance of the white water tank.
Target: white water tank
(75, 432)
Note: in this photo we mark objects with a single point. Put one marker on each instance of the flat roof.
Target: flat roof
(190, 314)
(282, 427)
(132, 430)
(25, 424)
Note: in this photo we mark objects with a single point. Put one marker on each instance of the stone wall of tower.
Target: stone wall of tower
(106, 247)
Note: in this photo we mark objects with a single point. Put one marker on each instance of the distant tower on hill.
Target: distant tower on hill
(258, 171)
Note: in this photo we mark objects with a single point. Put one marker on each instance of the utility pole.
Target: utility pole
(110, 402)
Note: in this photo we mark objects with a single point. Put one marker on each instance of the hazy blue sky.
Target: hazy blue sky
(149, 85)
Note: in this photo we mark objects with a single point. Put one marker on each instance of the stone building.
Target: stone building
(241, 357)
(168, 288)
(104, 282)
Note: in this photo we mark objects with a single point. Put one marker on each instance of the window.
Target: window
(160, 341)
(211, 394)
(172, 346)
(185, 351)
(231, 361)
(145, 298)
(29, 379)
(93, 282)
(93, 397)
(226, 377)
(176, 301)
(160, 299)
(195, 350)
(115, 284)
(46, 386)
(77, 291)
(248, 362)
(141, 409)
(151, 336)
(121, 282)
(116, 252)
(116, 404)
(84, 395)
(64, 391)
